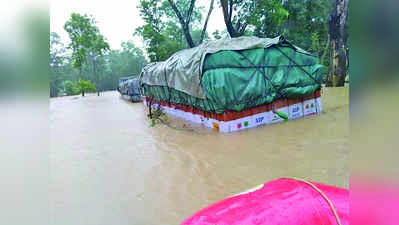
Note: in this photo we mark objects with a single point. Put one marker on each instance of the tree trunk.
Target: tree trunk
(80, 75)
(97, 76)
(331, 77)
(206, 22)
(338, 35)
(341, 68)
(238, 31)
(227, 14)
(185, 22)
(325, 50)
(189, 39)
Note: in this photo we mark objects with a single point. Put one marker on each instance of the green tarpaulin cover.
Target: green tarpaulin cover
(233, 74)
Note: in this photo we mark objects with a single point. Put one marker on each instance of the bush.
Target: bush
(85, 86)
(80, 87)
(71, 88)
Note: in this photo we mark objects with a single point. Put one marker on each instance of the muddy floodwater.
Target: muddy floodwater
(108, 166)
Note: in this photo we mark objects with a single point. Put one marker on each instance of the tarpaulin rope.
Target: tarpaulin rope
(322, 194)
(253, 67)
(293, 61)
(257, 68)
(312, 186)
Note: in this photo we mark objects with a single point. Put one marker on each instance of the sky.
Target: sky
(116, 19)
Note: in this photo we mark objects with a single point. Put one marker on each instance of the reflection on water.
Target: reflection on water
(108, 166)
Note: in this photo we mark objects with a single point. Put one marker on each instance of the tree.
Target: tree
(162, 32)
(128, 61)
(70, 88)
(258, 13)
(303, 22)
(152, 31)
(338, 37)
(57, 61)
(133, 57)
(185, 20)
(306, 26)
(241, 24)
(110, 67)
(85, 86)
(267, 17)
(56, 50)
(206, 22)
(86, 40)
(96, 64)
(80, 87)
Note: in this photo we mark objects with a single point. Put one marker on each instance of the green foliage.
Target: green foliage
(265, 16)
(305, 23)
(90, 53)
(88, 45)
(85, 86)
(118, 63)
(162, 33)
(56, 50)
(307, 18)
(57, 62)
(157, 116)
(85, 38)
(151, 32)
(183, 5)
(70, 88)
(81, 86)
(315, 37)
(127, 61)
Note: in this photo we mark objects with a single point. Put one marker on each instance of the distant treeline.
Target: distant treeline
(108, 67)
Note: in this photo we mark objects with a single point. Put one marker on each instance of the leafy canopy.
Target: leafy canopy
(162, 33)
(85, 86)
(81, 86)
(127, 61)
(85, 38)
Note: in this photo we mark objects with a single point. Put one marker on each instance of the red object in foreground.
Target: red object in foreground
(284, 202)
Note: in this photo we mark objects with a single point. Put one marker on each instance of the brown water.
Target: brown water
(108, 166)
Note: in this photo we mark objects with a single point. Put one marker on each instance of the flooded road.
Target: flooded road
(108, 166)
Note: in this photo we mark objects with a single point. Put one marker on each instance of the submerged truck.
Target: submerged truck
(129, 88)
(236, 84)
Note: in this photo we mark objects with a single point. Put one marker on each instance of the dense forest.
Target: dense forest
(318, 26)
(104, 70)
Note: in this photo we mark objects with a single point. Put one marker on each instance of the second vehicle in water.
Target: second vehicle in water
(129, 88)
